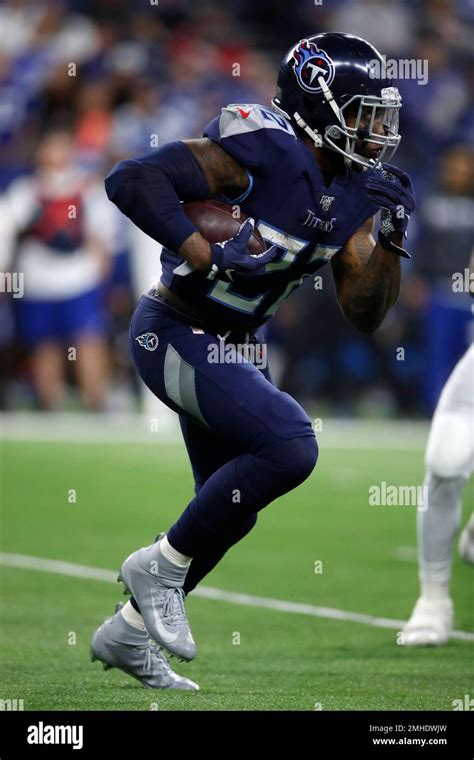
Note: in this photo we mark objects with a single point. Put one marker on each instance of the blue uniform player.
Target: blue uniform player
(310, 174)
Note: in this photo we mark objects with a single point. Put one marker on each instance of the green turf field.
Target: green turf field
(126, 492)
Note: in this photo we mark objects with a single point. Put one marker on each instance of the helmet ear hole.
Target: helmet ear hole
(334, 133)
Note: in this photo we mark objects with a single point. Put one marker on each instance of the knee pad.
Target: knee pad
(449, 450)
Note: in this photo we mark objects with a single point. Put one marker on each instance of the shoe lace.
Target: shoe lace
(173, 606)
(153, 655)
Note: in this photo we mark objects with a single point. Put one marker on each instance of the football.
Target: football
(218, 222)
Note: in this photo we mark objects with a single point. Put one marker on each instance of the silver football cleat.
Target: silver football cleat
(117, 644)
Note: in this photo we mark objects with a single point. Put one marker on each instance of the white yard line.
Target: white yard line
(58, 567)
(159, 429)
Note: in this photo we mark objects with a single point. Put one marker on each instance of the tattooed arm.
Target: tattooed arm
(224, 175)
(367, 279)
(222, 172)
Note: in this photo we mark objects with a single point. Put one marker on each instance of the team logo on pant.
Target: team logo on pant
(148, 340)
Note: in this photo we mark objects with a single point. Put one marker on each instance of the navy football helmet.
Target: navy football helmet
(329, 79)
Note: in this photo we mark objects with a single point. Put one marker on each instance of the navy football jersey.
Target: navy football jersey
(293, 209)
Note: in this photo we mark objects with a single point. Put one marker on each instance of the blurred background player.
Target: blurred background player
(449, 462)
(59, 223)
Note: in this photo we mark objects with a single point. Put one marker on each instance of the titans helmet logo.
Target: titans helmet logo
(310, 64)
(148, 340)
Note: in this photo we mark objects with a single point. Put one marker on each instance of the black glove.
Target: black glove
(391, 189)
(234, 255)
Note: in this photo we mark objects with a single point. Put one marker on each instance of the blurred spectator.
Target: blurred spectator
(388, 26)
(93, 123)
(431, 112)
(60, 220)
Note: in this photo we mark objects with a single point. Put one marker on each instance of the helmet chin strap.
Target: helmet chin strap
(330, 98)
(349, 157)
(316, 137)
(332, 103)
(314, 134)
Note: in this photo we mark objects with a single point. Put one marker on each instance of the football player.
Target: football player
(311, 171)
(449, 461)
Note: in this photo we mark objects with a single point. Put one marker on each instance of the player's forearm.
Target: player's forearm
(371, 293)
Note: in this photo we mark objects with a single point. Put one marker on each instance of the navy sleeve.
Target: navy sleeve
(148, 190)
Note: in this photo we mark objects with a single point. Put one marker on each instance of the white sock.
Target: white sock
(437, 529)
(174, 556)
(132, 616)
(434, 589)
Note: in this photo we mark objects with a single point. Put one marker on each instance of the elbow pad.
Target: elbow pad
(149, 189)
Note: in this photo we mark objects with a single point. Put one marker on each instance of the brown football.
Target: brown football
(216, 222)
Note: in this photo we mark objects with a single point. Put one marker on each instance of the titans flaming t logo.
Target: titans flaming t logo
(309, 64)
(148, 340)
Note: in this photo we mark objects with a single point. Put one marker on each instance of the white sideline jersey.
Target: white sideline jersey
(49, 276)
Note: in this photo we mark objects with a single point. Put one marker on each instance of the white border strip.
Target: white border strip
(206, 592)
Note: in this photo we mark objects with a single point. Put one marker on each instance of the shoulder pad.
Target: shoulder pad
(251, 133)
(237, 119)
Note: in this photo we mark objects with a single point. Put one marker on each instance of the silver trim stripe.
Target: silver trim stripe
(324, 252)
(180, 383)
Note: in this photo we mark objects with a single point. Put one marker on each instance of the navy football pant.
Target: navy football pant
(247, 441)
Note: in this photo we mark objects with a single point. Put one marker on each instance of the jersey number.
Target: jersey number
(223, 292)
